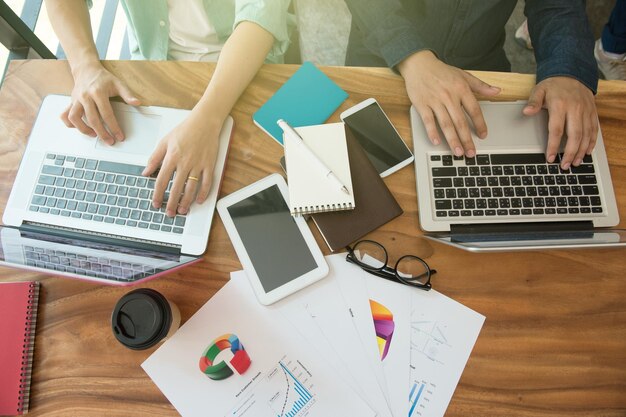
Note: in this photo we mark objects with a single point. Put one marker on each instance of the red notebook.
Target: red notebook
(18, 316)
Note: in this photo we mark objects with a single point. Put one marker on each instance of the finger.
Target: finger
(481, 87)
(447, 127)
(191, 187)
(155, 159)
(205, 186)
(462, 128)
(75, 116)
(430, 124)
(594, 133)
(93, 120)
(472, 108)
(584, 142)
(535, 101)
(161, 184)
(106, 112)
(126, 95)
(573, 123)
(65, 116)
(176, 192)
(556, 124)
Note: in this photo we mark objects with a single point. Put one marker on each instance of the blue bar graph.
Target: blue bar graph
(416, 399)
(303, 394)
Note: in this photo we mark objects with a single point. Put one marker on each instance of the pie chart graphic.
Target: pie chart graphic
(384, 326)
(240, 361)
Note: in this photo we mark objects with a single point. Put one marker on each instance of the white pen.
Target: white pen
(327, 172)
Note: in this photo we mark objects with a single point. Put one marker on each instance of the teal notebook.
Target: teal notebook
(309, 97)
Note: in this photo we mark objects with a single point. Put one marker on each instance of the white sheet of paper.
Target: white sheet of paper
(351, 281)
(443, 333)
(397, 299)
(286, 376)
(324, 302)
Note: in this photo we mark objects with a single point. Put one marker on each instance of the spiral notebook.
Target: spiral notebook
(309, 191)
(18, 316)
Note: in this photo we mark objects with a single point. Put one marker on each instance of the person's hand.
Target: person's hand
(444, 94)
(188, 154)
(571, 111)
(90, 111)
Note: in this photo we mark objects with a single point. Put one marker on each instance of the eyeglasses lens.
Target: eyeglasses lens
(413, 269)
(370, 254)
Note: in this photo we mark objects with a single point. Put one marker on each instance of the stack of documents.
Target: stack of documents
(351, 344)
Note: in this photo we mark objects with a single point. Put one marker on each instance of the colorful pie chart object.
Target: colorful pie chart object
(384, 327)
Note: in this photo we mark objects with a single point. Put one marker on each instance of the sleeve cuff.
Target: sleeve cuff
(564, 66)
(274, 18)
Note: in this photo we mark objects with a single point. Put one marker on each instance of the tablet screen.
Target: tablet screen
(272, 239)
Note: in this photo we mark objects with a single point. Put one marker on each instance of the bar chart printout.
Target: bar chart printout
(290, 395)
(419, 397)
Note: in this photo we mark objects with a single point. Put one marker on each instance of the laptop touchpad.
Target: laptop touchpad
(141, 131)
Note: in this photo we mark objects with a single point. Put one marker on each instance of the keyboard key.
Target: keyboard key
(527, 212)
(478, 213)
(437, 182)
(466, 213)
(444, 172)
(463, 171)
(456, 204)
(154, 227)
(46, 180)
(474, 192)
(119, 168)
(516, 202)
(481, 203)
(595, 201)
(109, 220)
(596, 209)
(469, 204)
(538, 211)
(447, 160)
(439, 193)
(462, 193)
(482, 159)
(114, 211)
(443, 204)
(518, 158)
(492, 181)
(585, 210)
(435, 157)
(38, 200)
(179, 230)
(587, 179)
(33, 208)
(143, 225)
(121, 222)
(573, 210)
(550, 211)
(490, 212)
(485, 171)
(450, 193)
(514, 212)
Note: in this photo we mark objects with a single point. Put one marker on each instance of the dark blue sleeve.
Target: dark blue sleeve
(387, 32)
(562, 39)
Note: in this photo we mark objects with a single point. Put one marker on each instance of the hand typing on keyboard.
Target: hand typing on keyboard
(444, 95)
(186, 156)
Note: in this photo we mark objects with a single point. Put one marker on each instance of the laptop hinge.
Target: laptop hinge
(99, 237)
(542, 227)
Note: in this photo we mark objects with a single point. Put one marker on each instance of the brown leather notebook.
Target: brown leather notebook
(374, 203)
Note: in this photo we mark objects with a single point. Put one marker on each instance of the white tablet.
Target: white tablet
(277, 251)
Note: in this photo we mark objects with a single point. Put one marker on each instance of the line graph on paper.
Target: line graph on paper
(292, 394)
(430, 338)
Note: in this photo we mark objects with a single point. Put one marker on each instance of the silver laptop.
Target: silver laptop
(91, 195)
(508, 197)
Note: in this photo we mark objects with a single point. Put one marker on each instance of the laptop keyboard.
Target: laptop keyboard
(512, 185)
(101, 192)
(86, 265)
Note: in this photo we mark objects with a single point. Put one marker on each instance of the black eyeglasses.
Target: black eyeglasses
(409, 270)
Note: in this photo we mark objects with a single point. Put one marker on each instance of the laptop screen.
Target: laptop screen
(480, 242)
(76, 258)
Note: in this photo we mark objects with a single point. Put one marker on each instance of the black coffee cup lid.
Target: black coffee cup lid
(141, 318)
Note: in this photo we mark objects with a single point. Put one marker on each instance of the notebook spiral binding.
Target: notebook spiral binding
(28, 348)
(300, 211)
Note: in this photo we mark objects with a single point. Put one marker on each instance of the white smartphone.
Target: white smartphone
(277, 251)
(378, 137)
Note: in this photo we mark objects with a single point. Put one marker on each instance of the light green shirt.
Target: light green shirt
(148, 24)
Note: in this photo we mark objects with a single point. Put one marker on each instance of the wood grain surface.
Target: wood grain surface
(553, 344)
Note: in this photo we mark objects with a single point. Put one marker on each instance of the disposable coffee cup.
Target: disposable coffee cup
(144, 317)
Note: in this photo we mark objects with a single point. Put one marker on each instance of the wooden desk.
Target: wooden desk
(554, 342)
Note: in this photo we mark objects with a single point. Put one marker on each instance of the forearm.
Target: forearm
(240, 59)
(70, 21)
(562, 39)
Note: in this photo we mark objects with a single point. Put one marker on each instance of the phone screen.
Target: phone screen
(380, 141)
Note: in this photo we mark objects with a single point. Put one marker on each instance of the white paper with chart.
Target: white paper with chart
(237, 358)
(443, 333)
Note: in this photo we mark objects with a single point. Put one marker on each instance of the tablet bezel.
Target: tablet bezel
(293, 285)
